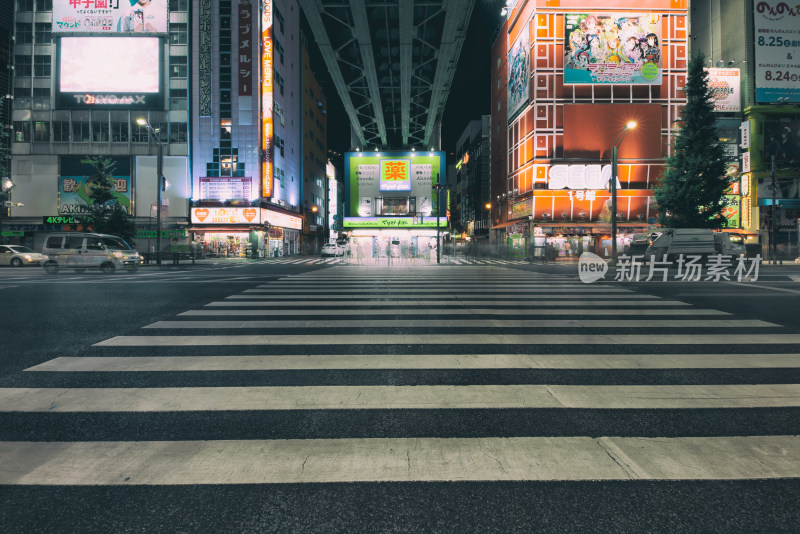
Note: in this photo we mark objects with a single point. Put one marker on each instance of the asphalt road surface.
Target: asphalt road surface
(306, 395)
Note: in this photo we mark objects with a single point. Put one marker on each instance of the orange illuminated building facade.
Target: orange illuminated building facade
(566, 78)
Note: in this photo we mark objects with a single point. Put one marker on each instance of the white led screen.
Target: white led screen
(109, 64)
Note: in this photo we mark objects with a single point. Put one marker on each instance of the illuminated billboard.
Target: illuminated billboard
(725, 85)
(110, 16)
(612, 48)
(266, 99)
(109, 71)
(395, 174)
(518, 74)
(777, 47)
(225, 215)
(391, 182)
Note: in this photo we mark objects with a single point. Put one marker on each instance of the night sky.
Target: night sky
(470, 92)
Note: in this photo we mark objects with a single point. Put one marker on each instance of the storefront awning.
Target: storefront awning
(505, 225)
(223, 229)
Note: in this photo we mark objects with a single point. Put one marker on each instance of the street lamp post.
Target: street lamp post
(613, 183)
(160, 183)
(439, 187)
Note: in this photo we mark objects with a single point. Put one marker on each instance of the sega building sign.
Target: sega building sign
(580, 177)
(110, 72)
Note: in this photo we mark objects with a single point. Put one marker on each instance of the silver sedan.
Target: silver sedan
(17, 256)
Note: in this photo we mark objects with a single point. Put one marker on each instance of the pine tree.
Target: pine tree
(691, 191)
(104, 214)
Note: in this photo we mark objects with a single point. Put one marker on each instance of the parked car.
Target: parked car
(79, 251)
(17, 256)
(332, 249)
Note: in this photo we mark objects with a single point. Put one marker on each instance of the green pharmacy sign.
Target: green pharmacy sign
(394, 222)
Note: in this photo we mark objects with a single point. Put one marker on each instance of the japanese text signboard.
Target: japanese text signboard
(396, 175)
(266, 99)
(244, 55)
(777, 48)
(612, 48)
(110, 16)
(725, 85)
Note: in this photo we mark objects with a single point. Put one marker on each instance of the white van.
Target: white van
(81, 251)
(701, 242)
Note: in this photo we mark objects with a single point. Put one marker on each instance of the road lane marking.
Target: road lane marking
(455, 297)
(123, 463)
(485, 323)
(178, 399)
(422, 304)
(416, 361)
(453, 311)
(450, 339)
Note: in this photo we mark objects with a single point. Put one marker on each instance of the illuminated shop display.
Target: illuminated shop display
(392, 184)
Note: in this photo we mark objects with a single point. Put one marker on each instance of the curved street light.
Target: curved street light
(631, 125)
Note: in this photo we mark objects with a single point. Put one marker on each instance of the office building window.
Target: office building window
(80, 131)
(178, 67)
(24, 5)
(278, 109)
(24, 34)
(22, 98)
(22, 131)
(41, 65)
(139, 133)
(61, 132)
(279, 80)
(278, 17)
(100, 131)
(44, 5)
(279, 49)
(41, 131)
(178, 33)
(43, 35)
(178, 5)
(41, 98)
(119, 131)
(178, 132)
(23, 66)
(178, 99)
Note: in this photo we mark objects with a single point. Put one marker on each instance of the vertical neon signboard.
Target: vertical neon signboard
(266, 98)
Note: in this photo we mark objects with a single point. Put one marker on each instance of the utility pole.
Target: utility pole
(772, 213)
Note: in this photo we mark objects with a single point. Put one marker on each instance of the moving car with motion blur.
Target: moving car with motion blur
(81, 251)
(332, 249)
(17, 256)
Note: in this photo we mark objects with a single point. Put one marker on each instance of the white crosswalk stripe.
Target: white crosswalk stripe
(365, 341)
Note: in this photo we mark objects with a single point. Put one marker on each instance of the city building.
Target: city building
(246, 123)
(315, 149)
(6, 100)
(393, 204)
(565, 83)
(85, 75)
(756, 74)
(471, 189)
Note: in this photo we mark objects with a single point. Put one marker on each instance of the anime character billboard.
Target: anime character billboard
(518, 74)
(612, 49)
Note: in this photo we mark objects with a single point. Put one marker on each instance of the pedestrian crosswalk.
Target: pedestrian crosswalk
(364, 374)
(447, 260)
